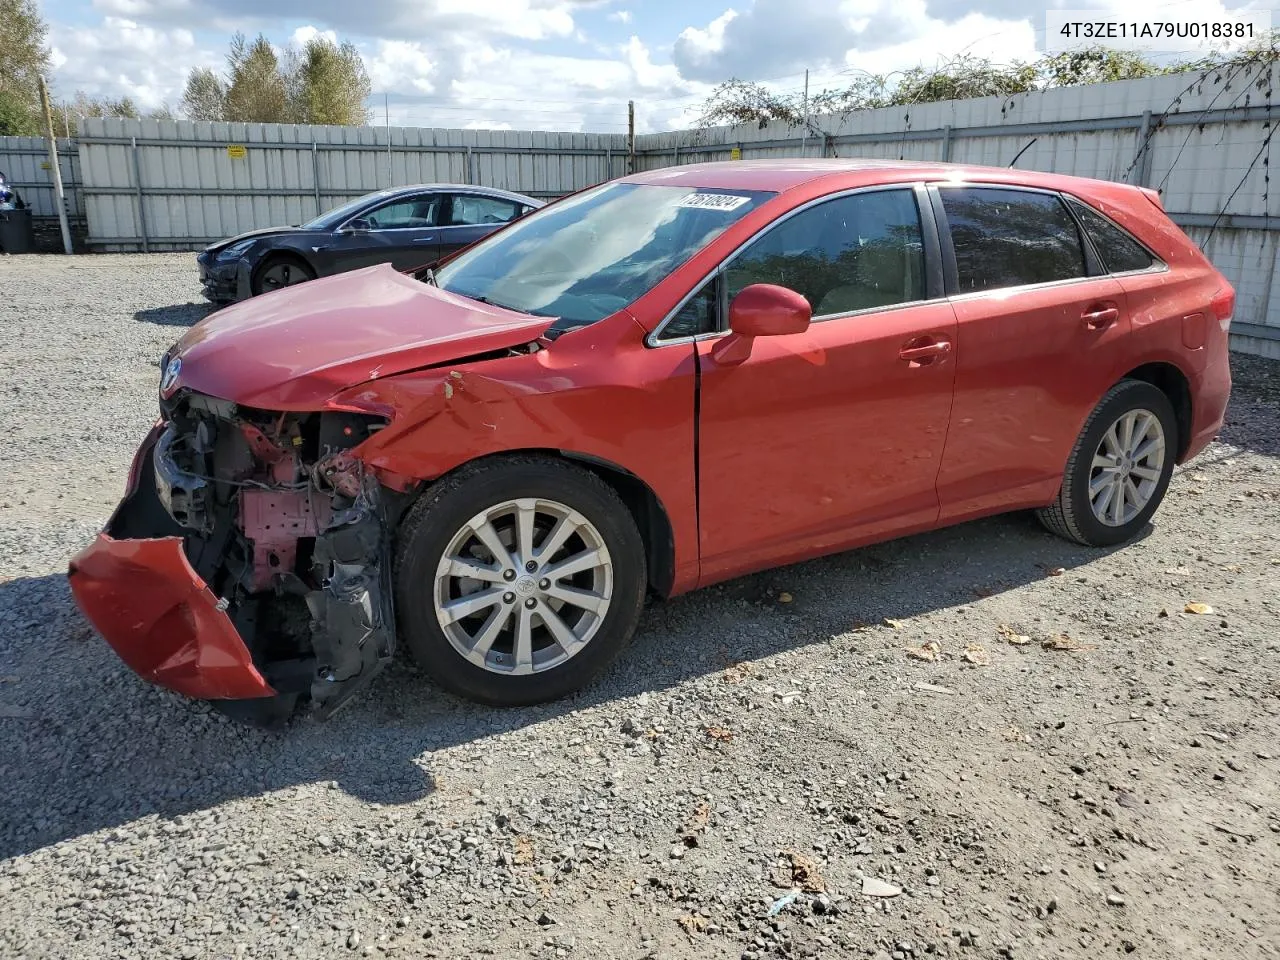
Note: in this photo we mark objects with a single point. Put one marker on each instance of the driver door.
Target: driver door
(404, 233)
(817, 441)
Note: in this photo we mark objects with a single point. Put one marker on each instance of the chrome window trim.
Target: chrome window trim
(653, 338)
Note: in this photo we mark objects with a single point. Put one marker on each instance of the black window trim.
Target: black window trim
(405, 198)
(1093, 265)
(1157, 262)
(934, 275)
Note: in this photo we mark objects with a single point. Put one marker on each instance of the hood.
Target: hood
(293, 349)
(253, 234)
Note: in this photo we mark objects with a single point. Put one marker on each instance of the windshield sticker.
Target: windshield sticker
(713, 201)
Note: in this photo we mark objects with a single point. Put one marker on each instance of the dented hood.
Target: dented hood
(295, 348)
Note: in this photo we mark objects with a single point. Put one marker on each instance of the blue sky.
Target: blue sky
(555, 64)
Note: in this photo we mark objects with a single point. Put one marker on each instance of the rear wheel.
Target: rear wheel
(280, 272)
(518, 580)
(1120, 467)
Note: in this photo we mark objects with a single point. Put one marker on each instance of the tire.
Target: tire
(295, 270)
(447, 512)
(1073, 514)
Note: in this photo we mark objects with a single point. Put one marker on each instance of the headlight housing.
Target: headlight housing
(235, 251)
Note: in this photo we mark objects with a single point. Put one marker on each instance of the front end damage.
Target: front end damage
(250, 557)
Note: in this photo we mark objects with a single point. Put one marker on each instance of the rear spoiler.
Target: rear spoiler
(1153, 196)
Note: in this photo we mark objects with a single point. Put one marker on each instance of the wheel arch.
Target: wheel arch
(1169, 379)
(275, 256)
(647, 510)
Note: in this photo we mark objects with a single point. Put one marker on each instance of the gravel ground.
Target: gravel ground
(1102, 781)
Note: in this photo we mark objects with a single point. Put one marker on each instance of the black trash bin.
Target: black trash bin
(16, 232)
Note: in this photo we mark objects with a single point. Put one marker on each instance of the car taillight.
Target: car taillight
(1223, 305)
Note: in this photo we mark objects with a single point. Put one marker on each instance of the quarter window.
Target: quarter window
(1008, 238)
(470, 210)
(857, 252)
(1119, 251)
(700, 314)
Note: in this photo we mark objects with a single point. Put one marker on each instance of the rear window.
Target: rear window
(1116, 247)
(1009, 238)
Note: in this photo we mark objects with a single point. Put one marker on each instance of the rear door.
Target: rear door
(1037, 344)
(472, 217)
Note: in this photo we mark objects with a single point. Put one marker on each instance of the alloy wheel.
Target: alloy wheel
(1127, 467)
(523, 587)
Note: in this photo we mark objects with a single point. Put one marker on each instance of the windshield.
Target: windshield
(336, 216)
(592, 254)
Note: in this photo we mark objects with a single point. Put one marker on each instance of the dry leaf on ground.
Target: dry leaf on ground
(737, 672)
(1010, 635)
(890, 622)
(785, 597)
(692, 923)
(523, 852)
(1066, 643)
(930, 651)
(977, 655)
(1197, 608)
(701, 817)
(802, 872)
(721, 734)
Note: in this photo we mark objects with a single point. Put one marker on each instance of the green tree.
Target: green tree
(1094, 65)
(256, 92)
(23, 60)
(327, 84)
(205, 96)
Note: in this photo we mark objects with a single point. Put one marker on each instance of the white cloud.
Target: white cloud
(621, 16)
(304, 35)
(120, 57)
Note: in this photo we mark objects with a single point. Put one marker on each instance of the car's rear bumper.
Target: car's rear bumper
(162, 619)
(1209, 403)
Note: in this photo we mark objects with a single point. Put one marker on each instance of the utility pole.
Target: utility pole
(386, 107)
(804, 141)
(54, 169)
(631, 136)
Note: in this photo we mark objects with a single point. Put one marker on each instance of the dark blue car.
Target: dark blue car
(408, 227)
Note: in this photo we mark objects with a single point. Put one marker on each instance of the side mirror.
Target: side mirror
(357, 226)
(767, 310)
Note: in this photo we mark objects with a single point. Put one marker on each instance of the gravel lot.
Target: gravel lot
(1117, 796)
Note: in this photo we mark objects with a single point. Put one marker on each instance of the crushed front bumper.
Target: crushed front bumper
(223, 281)
(163, 620)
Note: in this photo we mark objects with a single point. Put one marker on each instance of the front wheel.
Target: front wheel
(1120, 467)
(518, 579)
(279, 272)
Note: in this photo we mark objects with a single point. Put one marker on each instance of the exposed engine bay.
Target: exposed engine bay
(287, 529)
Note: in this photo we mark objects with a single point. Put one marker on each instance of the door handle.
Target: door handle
(922, 353)
(424, 239)
(1100, 316)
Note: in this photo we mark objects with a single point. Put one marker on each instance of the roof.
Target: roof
(785, 173)
(459, 188)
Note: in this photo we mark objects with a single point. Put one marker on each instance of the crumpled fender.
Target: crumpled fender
(162, 619)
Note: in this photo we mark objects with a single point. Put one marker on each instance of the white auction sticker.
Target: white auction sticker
(1154, 32)
(713, 201)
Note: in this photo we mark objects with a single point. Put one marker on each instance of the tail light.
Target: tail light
(1223, 305)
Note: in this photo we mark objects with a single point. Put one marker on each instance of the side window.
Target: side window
(1115, 245)
(407, 214)
(700, 314)
(1008, 237)
(470, 210)
(857, 252)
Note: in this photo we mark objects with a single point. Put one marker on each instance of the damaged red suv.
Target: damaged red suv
(653, 385)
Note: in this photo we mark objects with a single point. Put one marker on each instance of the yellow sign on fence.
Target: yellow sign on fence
(735, 153)
(236, 151)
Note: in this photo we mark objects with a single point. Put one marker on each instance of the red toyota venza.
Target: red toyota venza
(653, 385)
